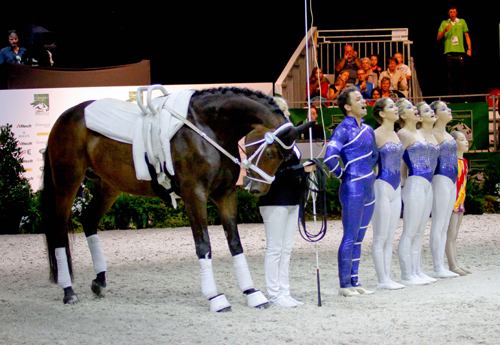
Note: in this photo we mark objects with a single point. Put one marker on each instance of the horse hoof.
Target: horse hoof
(257, 300)
(262, 306)
(98, 289)
(70, 300)
(219, 304)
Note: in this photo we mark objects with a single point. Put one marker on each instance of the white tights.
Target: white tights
(417, 198)
(445, 195)
(385, 221)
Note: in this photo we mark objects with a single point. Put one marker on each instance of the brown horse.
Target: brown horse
(202, 171)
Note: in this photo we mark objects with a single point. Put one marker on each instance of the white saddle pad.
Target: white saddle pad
(124, 122)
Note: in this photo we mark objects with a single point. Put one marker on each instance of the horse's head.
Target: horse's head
(266, 150)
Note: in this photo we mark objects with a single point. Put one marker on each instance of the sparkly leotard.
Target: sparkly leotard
(447, 160)
(416, 158)
(461, 184)
(433, 155)
(389, 163)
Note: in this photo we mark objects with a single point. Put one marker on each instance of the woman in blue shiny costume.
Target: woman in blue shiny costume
(445, 193)
(417, 174)
(387, 191)
(428, 118)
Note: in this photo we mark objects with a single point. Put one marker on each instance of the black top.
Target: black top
(285, 190)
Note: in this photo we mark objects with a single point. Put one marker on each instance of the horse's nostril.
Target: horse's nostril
(254, 191)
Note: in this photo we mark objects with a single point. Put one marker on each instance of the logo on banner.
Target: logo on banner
(41, 104)
(132, 97)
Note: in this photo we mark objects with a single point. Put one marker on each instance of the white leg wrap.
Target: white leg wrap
(256, 299)
(63, 277)
(218, 303)
(96, 252)
(242, 272)
(208, 288)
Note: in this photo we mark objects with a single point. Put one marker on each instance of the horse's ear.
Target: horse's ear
(305, 127)
(290, 135)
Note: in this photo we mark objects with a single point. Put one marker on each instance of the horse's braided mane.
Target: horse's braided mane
(252, 94)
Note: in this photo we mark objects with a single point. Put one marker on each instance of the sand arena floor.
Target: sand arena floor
(154, 294)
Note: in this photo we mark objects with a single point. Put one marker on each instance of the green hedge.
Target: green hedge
(132, 212)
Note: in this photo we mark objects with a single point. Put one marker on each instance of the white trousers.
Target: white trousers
(445, 196)
(384, 221)
(280, 223)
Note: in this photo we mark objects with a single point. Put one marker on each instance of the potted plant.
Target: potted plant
(15, 190)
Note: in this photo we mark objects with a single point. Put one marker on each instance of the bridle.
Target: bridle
(269, 139)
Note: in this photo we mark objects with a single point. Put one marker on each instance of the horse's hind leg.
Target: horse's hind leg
(103, 198)
(227, 206)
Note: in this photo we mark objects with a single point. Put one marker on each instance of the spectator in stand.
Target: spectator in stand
(371, 76)
(397, 78)
(385, 88)
(374, 65)
(401, 66)
(319, 86)
(364, 87)
(454, 30)
(13, 53)
(316, 129)
(349, 62)
(376, 94)
(339, 85)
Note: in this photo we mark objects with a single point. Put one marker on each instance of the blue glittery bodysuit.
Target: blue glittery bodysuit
(354, 147)
(416, 158)
(389, 163)
(447, 163)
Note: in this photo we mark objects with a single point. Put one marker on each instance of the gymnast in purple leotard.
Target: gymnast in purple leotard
(387, 191)
(417, 174)
(426, 129)
(445, 193)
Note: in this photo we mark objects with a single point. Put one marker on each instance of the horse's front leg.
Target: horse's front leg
(197, 213)
(228, 209)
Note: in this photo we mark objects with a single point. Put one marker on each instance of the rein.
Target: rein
(268, 139)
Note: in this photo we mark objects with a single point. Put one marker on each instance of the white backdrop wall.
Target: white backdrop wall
(33, 112)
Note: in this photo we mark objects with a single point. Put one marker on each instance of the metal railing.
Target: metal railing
(366, 42)
(292, 83)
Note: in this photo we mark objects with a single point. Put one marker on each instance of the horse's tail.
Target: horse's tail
(55, 236)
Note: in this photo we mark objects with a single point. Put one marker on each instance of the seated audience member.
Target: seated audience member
(374, 66)
(385, 88)
(319, 86)
(401, 66)
(13, 53)
(339, 85)
(364, 87)
(317, 128)
(376, 94)
(398, 81)
(349, 62)
(372, 77)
